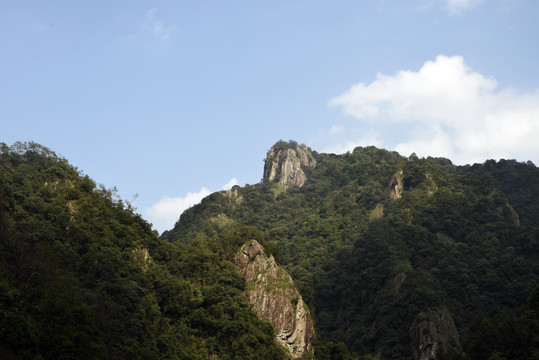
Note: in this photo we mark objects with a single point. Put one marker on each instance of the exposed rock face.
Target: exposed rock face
(512, 214)
(142, 258)
(286, 163)
(396, 185)
(377, 212)
(275, 298)
(434, 330)
(444, 239)
(430, 184)
(397, 282)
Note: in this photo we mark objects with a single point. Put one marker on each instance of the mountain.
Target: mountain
(356, 256)
(396, 257)
(82, 276)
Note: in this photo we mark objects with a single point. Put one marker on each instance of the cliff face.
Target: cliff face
(286, 163)
(274, 298)
(396, 186)
(434, 330)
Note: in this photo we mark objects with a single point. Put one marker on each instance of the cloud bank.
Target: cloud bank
(448, 110)
(164, 213)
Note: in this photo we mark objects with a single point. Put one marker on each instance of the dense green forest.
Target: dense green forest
(391, 255)
(382, 245)
(84, 277)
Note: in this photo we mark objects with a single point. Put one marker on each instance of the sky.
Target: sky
(169, 101)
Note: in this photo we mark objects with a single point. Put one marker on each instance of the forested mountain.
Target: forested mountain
(398, 258)
(84, 277)
(394, 258)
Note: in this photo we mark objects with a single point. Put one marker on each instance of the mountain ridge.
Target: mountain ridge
(441, 229)
(395, 257)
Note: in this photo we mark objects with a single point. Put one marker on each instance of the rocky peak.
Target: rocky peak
(275, 298)
(286, 163)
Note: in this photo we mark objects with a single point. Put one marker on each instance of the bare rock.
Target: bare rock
(377, 212)
(286, 164)
(445, 239)
(275, 298)
(430, 185)
(396, 185)
(433, 330)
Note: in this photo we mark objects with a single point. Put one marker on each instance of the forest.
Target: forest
(82, 276)
(391, 254)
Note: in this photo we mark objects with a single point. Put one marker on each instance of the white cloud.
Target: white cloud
(156, 27)
(455, 7)
(431, 141)
(164, 213)
(449, 110)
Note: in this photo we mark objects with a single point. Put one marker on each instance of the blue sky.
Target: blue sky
(172, 100)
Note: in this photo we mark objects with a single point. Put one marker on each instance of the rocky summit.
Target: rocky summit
(286, 164)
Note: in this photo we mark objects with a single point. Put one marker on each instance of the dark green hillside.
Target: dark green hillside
(396, 255)
(84, 277)
(519, 181)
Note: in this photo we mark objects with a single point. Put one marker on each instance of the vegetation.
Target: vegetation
(378, 244)
(84, 277)
(369, 261)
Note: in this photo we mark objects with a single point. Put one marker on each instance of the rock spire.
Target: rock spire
(286, 164)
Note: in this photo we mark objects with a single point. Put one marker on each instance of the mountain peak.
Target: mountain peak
(286, 163)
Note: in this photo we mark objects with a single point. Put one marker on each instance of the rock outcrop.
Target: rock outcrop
(286, 164)
(275, 298)
(433, 330)
(430, 185)
(396, 186)
(377, 212)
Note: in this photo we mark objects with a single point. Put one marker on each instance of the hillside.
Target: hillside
(388, 257)
(397, 257)
(82, 276)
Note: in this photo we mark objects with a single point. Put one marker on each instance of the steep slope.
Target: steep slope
(386, 248)
(274, 298)
(84, 277)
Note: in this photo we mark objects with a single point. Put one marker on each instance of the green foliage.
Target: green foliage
(508, 335)
(368, 264)
(283, 145)
(84, 277)
(519, 182)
